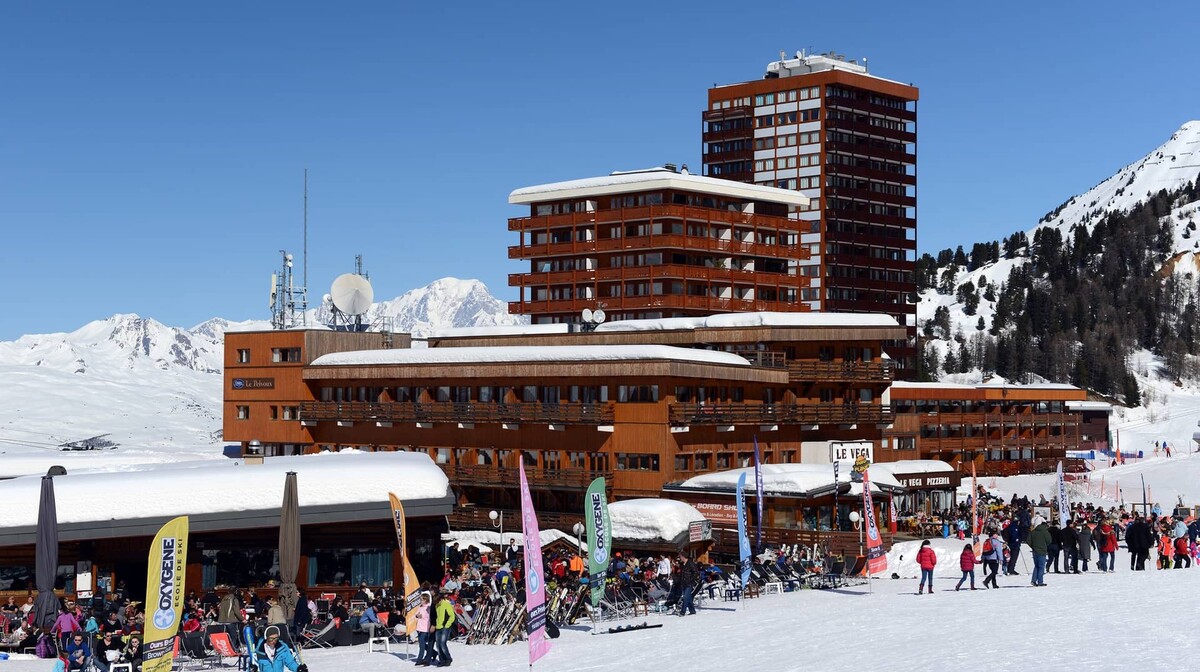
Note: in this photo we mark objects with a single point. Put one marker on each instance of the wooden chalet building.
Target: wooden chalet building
(642, 403)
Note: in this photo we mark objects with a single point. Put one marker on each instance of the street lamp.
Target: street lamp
(498, 516)
(855, 517)
(578, 530)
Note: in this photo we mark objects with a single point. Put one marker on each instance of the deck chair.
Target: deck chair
(318, 638)
(832, 578)
(224, 648)
(192, 646)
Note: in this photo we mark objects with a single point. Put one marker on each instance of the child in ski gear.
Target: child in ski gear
(993, 556)
(927, 559)
(966, 562)
(273, 655)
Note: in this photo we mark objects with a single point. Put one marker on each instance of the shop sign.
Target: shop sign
(253, 383)
(852, 451)
(717, 512)
(928, 481)
(699, 530)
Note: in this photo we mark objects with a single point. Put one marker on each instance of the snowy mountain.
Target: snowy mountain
(1078, 242)
(154, 390)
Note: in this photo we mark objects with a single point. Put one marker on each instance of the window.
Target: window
(637, 393)
(243, 412)
(285, 355)
(637, 462)
(274, 412)
(243, 356)
(291, 412)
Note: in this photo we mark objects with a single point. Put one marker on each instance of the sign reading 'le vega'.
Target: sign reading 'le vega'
(852, 451)
(927, 481)
(253, 383)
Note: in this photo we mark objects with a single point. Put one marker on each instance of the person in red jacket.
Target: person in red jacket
(1106, 541)
(927, 559)
(966, 562)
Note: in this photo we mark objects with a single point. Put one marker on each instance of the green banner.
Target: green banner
(599, 531)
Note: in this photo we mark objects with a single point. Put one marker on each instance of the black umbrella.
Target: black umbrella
(289, 546)
(46, 554)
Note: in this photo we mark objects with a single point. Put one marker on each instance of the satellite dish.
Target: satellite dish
(587, 314)
(352, 294)
(598, 316)
(327, 299)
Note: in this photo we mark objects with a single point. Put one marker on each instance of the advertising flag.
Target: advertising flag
(743, 540)
(876, 558)
(595, 512)
(1064, 512)
(164, 595)
(975, 511)
(410, 588)
(758, 497)
(535, 587)
(893, 522)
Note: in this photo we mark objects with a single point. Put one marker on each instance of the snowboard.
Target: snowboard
(631, 628)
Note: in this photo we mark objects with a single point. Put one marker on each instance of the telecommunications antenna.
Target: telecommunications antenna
(599, 316)
(352, 294)
(587, 315)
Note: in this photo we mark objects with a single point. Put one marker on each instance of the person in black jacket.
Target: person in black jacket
(1013, 536)
(689, 575)
(1055, 547)
(1139, 540)
(1070, 546)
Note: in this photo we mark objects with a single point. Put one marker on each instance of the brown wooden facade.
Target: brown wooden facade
(1001, 429)
(641, 424)
(856, 134)
(684, 254)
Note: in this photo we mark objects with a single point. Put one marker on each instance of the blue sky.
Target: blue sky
(151, 154)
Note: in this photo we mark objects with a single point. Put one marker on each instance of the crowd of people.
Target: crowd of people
(1062, 548)
(88, 634)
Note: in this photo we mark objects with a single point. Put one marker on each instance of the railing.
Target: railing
(773, 360)
(476, 518)
(658, 272)
(767, 414)
(659, 241)
(493, 475)
(852, 371)
(627, 303)
(1041, 465)
(480, 412)
(725, 542)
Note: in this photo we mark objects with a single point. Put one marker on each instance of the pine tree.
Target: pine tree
(1133, 392)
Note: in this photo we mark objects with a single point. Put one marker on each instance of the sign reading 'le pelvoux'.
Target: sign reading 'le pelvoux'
(253, 383)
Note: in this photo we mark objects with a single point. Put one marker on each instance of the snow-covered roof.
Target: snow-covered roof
(791, 479)
(1090, 406)
(623, 182)
(913, 467)
(493, 541)
(912, 385)
(651, 519)
(762, 319)
(501, 330)
(528, 353)
(229, 486)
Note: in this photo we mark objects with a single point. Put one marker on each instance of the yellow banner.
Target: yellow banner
(408, 582)
(164, 595)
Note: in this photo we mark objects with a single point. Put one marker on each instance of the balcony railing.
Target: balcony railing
(656, 302)
(498, 476)
(473, 412)
(881, 372)
(769, 414)
(476, 518)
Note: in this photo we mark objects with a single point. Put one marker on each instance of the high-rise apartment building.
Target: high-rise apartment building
(827, 128)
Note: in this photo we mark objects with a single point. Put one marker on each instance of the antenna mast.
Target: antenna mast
(304, 294)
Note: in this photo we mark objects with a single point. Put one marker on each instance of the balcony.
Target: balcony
(478, 412)
(664, 241)
(878, 372)
(771, 414)
(615, 304)
(476, 518)
(491, 475)
(621, 274)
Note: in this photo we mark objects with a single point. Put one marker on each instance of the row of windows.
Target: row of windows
(850, 294)
(789, 96)
(785, 162)
(561, 208)
(871, 120)
(835, 159)
(278, 355)
(786, 118)
(273, 412)
(874, 274)
(787, 140)
(875, 143)
(873, 98)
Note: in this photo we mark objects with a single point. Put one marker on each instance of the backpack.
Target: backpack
(987, 546)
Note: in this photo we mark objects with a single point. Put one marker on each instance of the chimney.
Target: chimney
(670, 167)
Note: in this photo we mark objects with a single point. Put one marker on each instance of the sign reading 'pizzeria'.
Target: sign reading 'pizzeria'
(930, 480)
(253, 383)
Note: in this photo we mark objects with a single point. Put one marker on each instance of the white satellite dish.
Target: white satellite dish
(327, 299)
(587, 314)
(352, 294)
(598, 316)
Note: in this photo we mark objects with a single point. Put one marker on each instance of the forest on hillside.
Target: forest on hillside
(1077, 307)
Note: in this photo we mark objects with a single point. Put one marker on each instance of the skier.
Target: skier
(966, 562)
(273, 655)
(927, 559)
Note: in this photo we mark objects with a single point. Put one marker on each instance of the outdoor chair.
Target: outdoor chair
(224, 649)
(318, 638)
(191, 645)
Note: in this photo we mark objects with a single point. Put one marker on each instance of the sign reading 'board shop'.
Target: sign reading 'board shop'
(253, 383)
(717, 512)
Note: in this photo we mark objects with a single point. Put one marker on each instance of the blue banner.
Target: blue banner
(758, 495)
(743, 540)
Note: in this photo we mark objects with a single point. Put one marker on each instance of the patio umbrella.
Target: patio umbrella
(46, 557)
(289, 546)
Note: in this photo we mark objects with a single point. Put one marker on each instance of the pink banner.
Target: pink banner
(876, 557)
(535, 588)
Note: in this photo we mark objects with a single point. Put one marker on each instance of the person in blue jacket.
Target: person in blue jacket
(273, 655)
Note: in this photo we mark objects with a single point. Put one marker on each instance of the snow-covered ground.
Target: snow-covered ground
(1080, 623)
